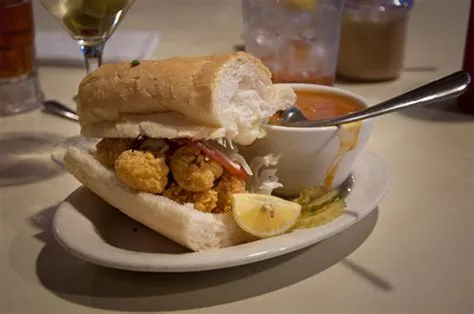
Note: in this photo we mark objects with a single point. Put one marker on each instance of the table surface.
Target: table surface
(418, 257)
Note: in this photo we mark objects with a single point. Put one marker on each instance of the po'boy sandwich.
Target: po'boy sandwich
(168, 134)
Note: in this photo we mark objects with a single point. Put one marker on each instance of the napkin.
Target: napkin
(58, 48)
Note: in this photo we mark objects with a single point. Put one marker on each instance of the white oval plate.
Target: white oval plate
(92, 230)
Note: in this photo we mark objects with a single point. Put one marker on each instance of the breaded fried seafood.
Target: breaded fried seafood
(142, 171)
(192, 170)
(108, 149)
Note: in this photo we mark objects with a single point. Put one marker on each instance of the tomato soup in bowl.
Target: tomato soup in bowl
(315, 156)
(317, 105)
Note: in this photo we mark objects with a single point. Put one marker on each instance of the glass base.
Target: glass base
(19, 95)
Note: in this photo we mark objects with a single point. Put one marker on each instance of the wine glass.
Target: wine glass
(90, 23)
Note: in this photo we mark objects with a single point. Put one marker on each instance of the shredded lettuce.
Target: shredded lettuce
(262, 169)
(226, 147)
(228, 143)
(264, 180)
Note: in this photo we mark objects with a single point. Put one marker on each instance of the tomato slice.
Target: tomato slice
(222, 160)
(217, 156)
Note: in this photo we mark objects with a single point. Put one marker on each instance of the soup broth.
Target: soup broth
(321, 105)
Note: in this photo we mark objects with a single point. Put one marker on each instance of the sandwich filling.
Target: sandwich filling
(204, 173)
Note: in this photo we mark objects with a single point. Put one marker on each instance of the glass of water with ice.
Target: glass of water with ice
(297, 39)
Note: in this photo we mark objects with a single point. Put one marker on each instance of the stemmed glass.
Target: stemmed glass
(90, 23)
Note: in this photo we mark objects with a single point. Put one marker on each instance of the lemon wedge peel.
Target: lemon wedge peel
(263, 215)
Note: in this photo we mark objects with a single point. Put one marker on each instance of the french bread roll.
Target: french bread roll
(183, 224)
(208, 97)
(200, 97)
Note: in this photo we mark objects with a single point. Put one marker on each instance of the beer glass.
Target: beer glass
(19, 88)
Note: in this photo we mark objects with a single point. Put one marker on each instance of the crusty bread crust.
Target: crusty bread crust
(200, 97)
(183, 224)
(183, 85)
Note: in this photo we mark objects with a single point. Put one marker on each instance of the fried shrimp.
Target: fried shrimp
(108, 149)
(176, 193)
(192, 171)
(203, 201)
(225, 188)
(142, 171)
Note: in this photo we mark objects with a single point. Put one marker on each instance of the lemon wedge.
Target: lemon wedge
(264, 215)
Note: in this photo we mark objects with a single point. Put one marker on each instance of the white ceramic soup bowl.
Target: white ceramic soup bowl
(314, 156)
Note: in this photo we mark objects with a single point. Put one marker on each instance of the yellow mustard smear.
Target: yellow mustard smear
(349, 138)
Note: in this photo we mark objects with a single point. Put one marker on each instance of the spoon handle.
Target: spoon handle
(56, 108)
(442, 89)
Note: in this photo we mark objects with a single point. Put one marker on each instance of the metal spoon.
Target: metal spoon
(56, 108)
(448, 87)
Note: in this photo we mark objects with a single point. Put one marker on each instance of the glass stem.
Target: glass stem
(92, 56)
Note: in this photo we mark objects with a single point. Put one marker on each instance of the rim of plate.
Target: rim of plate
(84, 241)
